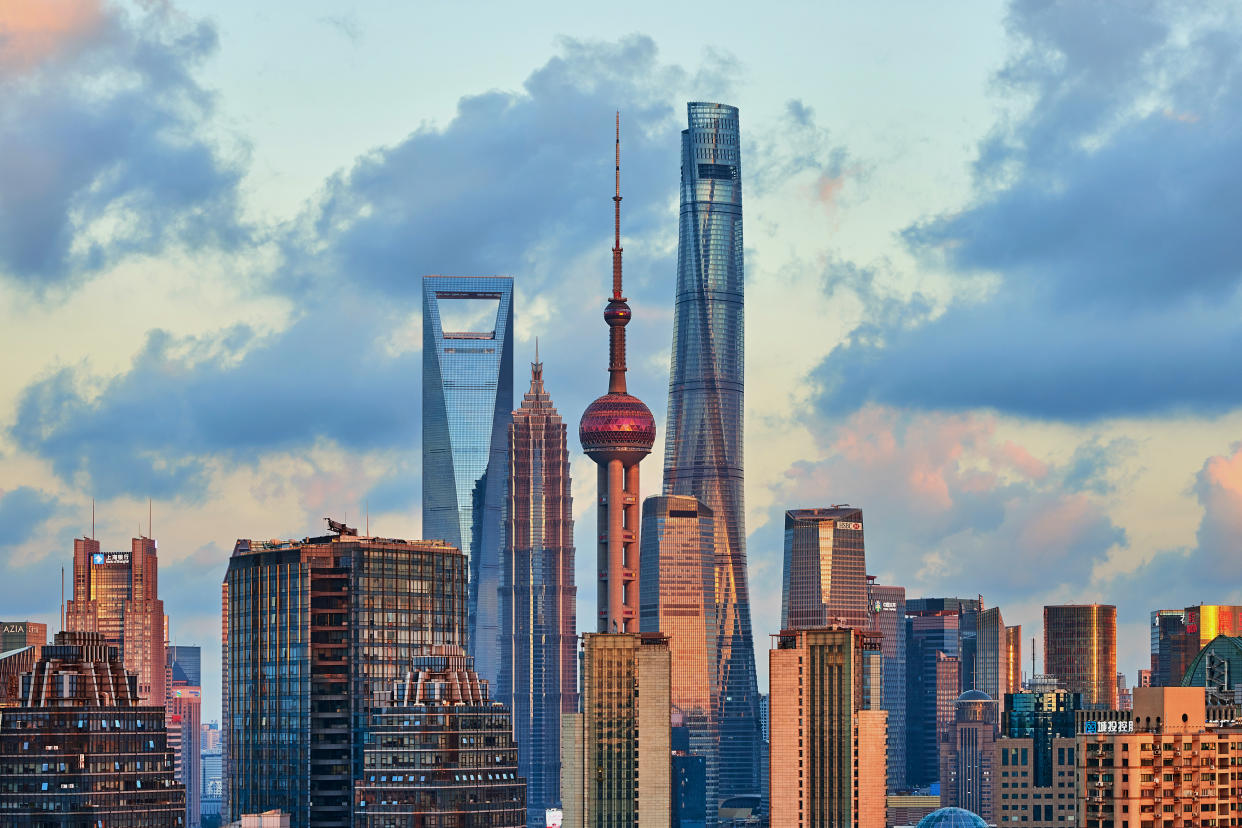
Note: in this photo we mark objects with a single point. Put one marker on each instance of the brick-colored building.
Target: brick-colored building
(823, 773)
(1173, 764)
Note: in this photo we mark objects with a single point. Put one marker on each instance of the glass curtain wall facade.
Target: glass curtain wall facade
(888, 617)
(467, 408)
(316, 632)
(703, 455)
(825, 573)
(677, 598)
(1080, 649)
(539, 665)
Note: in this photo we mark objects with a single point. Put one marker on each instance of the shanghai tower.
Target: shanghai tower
(703, 447)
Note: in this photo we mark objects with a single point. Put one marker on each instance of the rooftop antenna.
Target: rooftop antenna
(616, 199)
(1032, 656)
(149, 512)
(92, 518)
(62, 599)
(368, 507)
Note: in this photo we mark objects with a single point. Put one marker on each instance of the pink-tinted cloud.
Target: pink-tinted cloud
(32, 31)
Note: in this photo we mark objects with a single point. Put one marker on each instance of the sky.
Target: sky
(992, 277)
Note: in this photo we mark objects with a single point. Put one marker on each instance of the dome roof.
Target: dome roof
(974, 695)
(952, 818)
(617, 426)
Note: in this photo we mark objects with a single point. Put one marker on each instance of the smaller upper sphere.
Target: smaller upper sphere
(617, 313)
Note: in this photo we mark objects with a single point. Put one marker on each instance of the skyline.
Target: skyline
(963, 485)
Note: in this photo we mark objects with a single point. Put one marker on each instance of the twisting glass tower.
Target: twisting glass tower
(467, 408)
(617, 432)
(703, 447)
(538, 600)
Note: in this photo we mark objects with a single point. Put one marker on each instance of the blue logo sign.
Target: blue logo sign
(97, 559)
(1091, 727)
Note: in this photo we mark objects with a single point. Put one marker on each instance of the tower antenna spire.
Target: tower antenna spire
(616, 246)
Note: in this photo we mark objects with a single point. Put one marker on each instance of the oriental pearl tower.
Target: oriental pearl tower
(617, 432)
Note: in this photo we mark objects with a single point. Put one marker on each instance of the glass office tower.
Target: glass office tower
(467, 408)
(825, 569)
(703, 450)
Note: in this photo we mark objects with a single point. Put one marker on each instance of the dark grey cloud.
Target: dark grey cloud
(1108, 212)
(103, 151)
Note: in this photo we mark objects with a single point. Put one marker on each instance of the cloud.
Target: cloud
(1108, 225)
(951, 507)
(103, 141)
(23, 511)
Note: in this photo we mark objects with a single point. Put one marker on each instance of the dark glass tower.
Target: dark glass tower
(316, 633)
(467, 406)
(538, 599)
(703, 448)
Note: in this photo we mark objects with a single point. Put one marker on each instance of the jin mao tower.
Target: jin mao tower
(703, 448)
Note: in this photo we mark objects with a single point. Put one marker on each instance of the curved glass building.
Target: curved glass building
(703, 449)
(467, 409)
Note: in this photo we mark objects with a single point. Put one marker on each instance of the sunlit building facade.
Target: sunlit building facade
(539, 665)
(1013, 659)
(467, 407)
(825, 571)
(703, 451)
(440, 753)
(677, 599)
(1080, 650)
(828, 749)
(1179, 635)
(991, 659)
(316, 632)
(117, 594)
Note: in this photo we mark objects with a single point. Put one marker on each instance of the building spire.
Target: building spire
(616, 199)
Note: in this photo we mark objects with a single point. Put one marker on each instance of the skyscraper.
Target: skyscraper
(620, 744)
(888, 617)
(117, 594)
(1080, 649)
(678, 567)
(828, 749)
(539, 646)
(316, 632)
(703, 451)
(82, 749)
(467, 406)
(1177, 636)
(825, 575)
(992, 657)
(183, 719)
(1013, 659)
(968, 755)
(185, 663)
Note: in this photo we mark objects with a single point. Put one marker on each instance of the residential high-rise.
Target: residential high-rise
(467, 408)
(619, 745)
(825, 574)
(1013, 659)
(1080, 649)
(941, 636)
(539, 645)
(316, 632)
(440, 752)
(703, 450)
(677, 598)
(1175, 745)
(828, 750)
(183, 722)
(888, 617)
(82, 749)
(117, 594)
(968, 755)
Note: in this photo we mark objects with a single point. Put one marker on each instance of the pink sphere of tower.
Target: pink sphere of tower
(617, 427)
